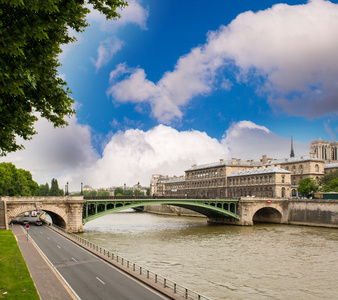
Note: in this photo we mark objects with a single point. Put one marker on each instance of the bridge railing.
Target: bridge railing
(147, 276)
(155, 197)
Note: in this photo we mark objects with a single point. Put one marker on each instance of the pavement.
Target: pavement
(48, 282)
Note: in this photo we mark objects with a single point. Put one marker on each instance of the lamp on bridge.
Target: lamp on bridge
(81, 188)
(67, 189)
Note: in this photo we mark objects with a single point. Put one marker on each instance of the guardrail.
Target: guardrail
(166, 286)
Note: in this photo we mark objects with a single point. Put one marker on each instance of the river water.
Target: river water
(265, 261)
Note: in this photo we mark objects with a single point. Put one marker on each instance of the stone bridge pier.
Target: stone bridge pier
(260, 210)
(65, 212)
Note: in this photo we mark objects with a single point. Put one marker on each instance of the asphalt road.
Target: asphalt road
(89, 277)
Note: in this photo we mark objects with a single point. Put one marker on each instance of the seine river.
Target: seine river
(264, 261)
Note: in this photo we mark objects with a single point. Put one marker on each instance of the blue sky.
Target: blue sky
(179, 82)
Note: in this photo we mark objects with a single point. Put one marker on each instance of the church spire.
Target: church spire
(292, 153)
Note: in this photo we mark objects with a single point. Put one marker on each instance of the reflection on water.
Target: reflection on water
(226, 262)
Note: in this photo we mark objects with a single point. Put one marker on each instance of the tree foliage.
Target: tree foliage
(44, 189)
(31, 35)
(16, 182)
(138, 193)
(307, 186)
(128, 193)
(54, 189)
(329, 182)
(118, 190)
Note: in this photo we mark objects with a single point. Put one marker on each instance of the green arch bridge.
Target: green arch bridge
(96, 207)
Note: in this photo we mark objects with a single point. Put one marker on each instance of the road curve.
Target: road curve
(88, 276)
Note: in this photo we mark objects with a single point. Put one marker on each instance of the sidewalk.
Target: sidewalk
(46, 279)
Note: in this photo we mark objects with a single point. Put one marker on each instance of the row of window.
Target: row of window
(251, 180)
(204, 174)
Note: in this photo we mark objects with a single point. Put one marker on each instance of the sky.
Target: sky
(174, 83)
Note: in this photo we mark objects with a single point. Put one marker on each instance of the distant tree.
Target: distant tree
(307, 186)
(118, 190)
(329, 182)
(118, 195)
(129, 193)
(148, 191)
(103, 193)
(17, 182)
(44, 189)
(325, 180)
(332, 186)
(54, 189)
(138, 193)
(92, 193)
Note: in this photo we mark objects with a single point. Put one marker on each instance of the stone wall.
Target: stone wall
(313, 212)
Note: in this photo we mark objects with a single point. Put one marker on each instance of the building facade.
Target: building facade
(267, 177)
(262, 182)
(300, 167)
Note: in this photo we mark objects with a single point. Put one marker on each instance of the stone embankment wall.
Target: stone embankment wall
(164, 209)
(310, 212)
(313, 212)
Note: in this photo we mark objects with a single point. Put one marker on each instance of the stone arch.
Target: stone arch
(57, 215)
(267, 215)
(57, 219)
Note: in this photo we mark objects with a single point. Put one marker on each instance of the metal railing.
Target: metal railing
(163, 284)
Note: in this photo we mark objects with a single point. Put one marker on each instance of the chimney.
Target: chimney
(264, 159)
(233, 161)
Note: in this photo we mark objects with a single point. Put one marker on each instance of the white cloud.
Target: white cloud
(292, 47)
(247, 140)
(61, 153)
(107, 50)
(134, 13)
(134, 155)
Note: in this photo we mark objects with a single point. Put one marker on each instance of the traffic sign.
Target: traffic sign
(27, 226)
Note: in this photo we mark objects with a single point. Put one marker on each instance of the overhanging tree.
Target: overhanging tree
(31, 35)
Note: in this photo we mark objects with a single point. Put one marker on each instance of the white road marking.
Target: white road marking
(74, 259)
(100, 280)
(48, 238)
(58, 246)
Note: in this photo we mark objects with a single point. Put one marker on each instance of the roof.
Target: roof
(225, 163)
(331, 165)
(292, 160)
(259, 171)
(175, 180)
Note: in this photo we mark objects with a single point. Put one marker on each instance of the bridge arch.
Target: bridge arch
(57, 215)
(210, 208)
(267, 215)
